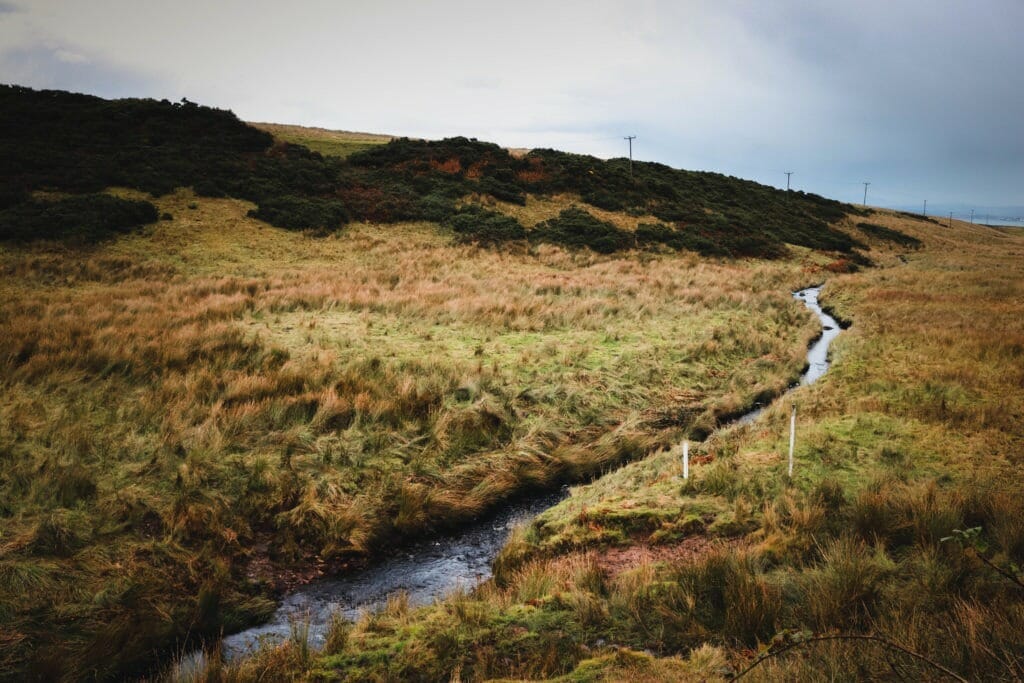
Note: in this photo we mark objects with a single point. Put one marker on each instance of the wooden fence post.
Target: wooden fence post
(792, 439)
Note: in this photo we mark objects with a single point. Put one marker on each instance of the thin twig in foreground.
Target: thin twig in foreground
(876, 639)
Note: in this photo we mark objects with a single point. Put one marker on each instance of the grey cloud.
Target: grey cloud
(922, 97)
(69, 69)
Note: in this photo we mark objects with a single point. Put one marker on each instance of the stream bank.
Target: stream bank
(428, 569)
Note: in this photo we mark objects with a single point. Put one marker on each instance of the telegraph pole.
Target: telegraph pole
(788, 173)
(972, 216)
(866, 193)
(630, 138)
(926, 208)
(950, 224)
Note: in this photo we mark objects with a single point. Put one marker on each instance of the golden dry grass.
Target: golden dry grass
(214, 391)
(339, 143)
(917, 430)
(541, 208)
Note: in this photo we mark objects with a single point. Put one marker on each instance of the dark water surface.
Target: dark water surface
(425, 570)
(433, 567)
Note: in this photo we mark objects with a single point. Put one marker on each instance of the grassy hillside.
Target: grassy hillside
(335, 143)
(893, 554)
(231, 364)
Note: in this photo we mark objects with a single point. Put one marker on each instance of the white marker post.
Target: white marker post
(686, 459)
(792, 439)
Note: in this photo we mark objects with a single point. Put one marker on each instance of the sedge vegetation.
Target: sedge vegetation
(893, 554)
(210, 409)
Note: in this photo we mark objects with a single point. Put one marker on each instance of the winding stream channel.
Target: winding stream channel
(433, 567)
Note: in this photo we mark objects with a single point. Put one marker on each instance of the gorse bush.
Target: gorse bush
(484, 227)
(658, 233)
(79, 143)
(83, 218)
(299, 213)
(890, 235)
(574, 227)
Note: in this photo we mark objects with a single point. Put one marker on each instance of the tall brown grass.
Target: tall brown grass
(191, 414)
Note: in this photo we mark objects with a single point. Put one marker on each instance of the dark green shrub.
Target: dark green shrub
(674, 238)
(473, 224)
(78, 143)
(890, 235)
(9, 196)
(504, 191)
(574, 227)
(436, 207)
(84, 218)
(301, 213)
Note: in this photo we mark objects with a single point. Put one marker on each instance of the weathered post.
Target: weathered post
(792, 439)
(686, 459)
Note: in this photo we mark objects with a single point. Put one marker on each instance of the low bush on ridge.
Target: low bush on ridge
(890, 235)
(63, 141)
(474, 224)
(574, 227)
(300, 213)
(82, 218)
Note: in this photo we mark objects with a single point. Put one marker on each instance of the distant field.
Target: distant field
(337, 143)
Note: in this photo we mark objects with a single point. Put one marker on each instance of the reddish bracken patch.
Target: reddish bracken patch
(534, 174)
(614, 561)
(841, 265)
(451, 166)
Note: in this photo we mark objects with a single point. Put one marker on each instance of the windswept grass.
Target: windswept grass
(211, 409)
(911, 440)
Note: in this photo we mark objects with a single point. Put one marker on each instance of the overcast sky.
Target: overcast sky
(923, 98)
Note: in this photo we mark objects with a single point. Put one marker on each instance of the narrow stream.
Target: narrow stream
(431, 568)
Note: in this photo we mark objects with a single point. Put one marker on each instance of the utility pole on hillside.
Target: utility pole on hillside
(865, 203)
(925, 212)
(972, 216)
(788, 173)
(950, 224)
(630, 138)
